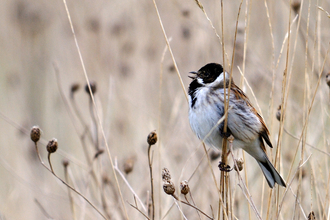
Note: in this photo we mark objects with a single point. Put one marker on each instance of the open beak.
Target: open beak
(194, 76)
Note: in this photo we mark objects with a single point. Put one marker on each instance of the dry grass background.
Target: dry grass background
(122, 45)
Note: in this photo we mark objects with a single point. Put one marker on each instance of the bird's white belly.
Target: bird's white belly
(203, 121)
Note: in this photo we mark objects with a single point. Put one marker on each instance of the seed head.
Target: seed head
(75, 87)
(152, 138)
(169, 187)
(99, 152)
(214, 154)
(129, 165)
(311, 216)
(106, 179)
(166, 176)
(52, 146)
(296, 6)
(93, 87)
(327, 79)
(278, 113)
(240, 164)
(184, 187)
(65, 162)
(35, 134)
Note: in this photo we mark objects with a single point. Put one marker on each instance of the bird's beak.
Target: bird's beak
(193, 77)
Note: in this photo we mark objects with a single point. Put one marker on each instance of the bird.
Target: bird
(206, 96)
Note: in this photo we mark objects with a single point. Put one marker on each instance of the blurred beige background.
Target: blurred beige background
(121, 43)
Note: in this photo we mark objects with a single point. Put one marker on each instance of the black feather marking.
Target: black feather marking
(194, 85)
(265, 136)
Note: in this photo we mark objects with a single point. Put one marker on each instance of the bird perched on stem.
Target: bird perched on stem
(206, 108)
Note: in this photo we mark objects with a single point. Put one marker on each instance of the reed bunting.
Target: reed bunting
(206, 108)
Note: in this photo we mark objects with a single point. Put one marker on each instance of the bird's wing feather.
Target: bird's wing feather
(246, 124)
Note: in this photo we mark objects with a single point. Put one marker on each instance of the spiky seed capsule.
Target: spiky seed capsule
(169, 187)
(35, 134)
(278, 113)
(311, 216)
(129, 165)
(184, 187)
(93, 87)
(240, 164)
(152, 138)
(214, 154)
(65, 162)
(327, 79)
(52, 146)
(166, 176)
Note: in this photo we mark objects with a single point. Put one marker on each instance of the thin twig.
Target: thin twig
(152, 184)
(68, 185)
(128, 185)
(43, 209)
(245, 190)
(66, 176)
(188, 204)
(170, 50)
(97, 115)
(140, 211)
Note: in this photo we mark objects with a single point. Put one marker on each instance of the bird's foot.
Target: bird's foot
(224, 167)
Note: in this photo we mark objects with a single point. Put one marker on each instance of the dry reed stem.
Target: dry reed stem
(224, 183)
(245, 190)
(71, 113)
(151, 183)
(308, 113)
(97, 115)
(73, 209)
(160, 122)
(199, 4)
(246, 37)
(170, 50)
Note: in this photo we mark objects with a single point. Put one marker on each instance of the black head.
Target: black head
(205, 75)
(208, 73)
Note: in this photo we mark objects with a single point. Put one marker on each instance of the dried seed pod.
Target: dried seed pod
(129, 165)
(327, 79)
(311, 216)
(166, 176)
(296, 6)
(99, 152)
(278, 113)
(169, 187)
(214, 154)
(35, 134)
(240, 164)
(52, 146)
(74, 88)
(106, 179)
(93, 87)
(184, 187)
(65, 162)
(152, 138)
